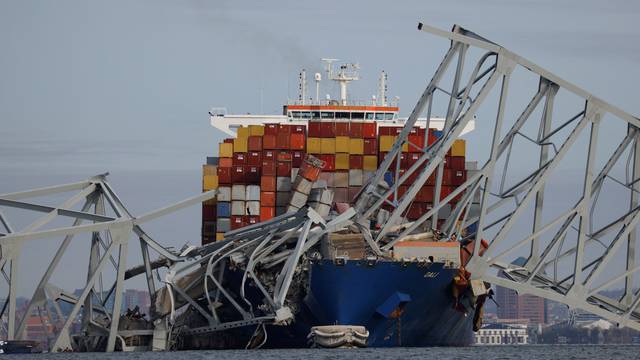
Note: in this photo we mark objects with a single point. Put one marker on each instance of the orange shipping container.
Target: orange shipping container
(225, 162)
(268, 198)
(267, 213)
(268, 183)
(297, 141)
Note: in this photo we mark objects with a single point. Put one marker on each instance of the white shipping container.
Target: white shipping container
(302, 185)
(341, 179)
(282, 198)
(238, 208)
(292, 208)
(355, 177)
(253, 208)
(238, 192)
(224, 193)
(298, 199)
(326, 197)
(253, 193)
(328, 178)
(294, 172)
(283, 184)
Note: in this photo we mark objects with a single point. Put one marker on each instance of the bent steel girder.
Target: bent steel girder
(109, 239)
(579, 252)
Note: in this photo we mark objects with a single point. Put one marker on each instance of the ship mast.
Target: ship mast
(345, 74)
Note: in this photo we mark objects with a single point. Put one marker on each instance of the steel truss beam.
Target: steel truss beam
(557, 260)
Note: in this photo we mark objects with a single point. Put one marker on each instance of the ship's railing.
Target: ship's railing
(335, 102)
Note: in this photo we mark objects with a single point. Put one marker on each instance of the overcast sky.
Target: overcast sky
(125, 86)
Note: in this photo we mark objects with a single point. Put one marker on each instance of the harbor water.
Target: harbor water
(523, 352)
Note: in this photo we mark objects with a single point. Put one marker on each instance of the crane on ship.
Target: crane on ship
(574, 249)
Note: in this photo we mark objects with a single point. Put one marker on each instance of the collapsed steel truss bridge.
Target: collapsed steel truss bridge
(580, 251)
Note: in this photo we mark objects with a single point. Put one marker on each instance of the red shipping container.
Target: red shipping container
(341, 195)
(298, 142)
(267, 183)
(458, 177)
(445, 191)
(237, 222)
(381, 157)
(309, 172)
(297, 157)
(269, 142)
(314, 129)
(431, 180)
(353, 191)
(403, 161)
(369, 130)
(457, 162)
(267, 213)
(283, 168)
(298, 129)
(447, 175)
(283, 141)
(342, 128)
(237, 175)
(370, 146)
(225, 162)
(415, 211)
(284, 156)
(329, 162)
(355, 130)
(284, 129)
(355, 161)
(252, 174)
(416, 139)
(425, 194)
(254, 158)
(327, 129)
(250, 219)
(239, 159)
(224, 175)
(268, 198)
(271, 129)
(269, 168)
(209, 212)
(402, 189)
(412, 158)
(269, 155)
(255, 143)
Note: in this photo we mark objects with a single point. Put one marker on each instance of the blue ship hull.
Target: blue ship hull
(406, 304)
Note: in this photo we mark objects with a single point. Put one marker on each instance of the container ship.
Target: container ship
(345, 295)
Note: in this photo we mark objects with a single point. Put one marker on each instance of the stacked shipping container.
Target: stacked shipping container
(255, 171)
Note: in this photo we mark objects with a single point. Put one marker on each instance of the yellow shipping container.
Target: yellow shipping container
(342, 161)
(241, 144)
(243, 132)
(209, 170)
(459, 148)
(369, 162)
(313, 145)
(342, 144)
(256, 130)
(225, 150)
(356, 146)
(327, 146)
(209, 182)
(386, 142)
(219, 236)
